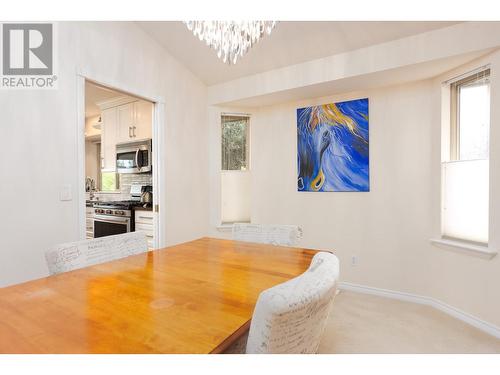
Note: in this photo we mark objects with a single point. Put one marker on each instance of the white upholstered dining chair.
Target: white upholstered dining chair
(291, 317)
(74, 255)
(280, 235)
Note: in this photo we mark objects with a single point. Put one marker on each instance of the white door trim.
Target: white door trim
(158, 150)
(80, 157)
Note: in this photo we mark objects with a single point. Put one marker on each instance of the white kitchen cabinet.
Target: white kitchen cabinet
(143, 112)
(89, 218)
(134, 121)
(144, 222)
(125, 128)
(123, 121)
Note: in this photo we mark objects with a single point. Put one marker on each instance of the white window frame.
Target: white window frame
(229, 224)
(247, 153)
(455, 107)
(450, 152)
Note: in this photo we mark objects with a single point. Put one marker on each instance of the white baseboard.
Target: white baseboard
(423, 300)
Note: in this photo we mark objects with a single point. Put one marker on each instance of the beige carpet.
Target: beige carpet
(361, 323)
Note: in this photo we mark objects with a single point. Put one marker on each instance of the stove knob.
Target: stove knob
(119, 212)
(109, 212)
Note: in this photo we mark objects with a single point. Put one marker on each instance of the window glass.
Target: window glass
(109, 181)
(465, 177)
(465, 204)
(234, 143)
(474, 120)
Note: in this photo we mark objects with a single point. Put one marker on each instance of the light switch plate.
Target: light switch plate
(65, 193)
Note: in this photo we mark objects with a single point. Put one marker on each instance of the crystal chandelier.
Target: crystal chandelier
(231, 39)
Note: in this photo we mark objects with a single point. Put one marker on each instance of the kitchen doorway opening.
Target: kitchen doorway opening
(120, 162)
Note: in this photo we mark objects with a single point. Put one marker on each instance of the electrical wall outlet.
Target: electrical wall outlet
(354, 260)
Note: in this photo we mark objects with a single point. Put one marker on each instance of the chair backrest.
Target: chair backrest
(73, 255)
(291, 317)
(281, 235)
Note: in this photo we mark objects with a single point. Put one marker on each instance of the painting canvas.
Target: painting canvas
(333, 147)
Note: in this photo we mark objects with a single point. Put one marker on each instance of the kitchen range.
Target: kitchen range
(112, 218)
(107, 218)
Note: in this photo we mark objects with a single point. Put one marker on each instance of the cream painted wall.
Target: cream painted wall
(384, 228)
(388, 228)
(39, 137)
(92, 161)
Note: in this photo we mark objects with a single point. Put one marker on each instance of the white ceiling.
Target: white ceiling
(289, 43)
(95, 94)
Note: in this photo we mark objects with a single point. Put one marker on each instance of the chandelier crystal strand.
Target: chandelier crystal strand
(230, 39)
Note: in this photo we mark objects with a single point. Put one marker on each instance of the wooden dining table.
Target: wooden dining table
(196, 297)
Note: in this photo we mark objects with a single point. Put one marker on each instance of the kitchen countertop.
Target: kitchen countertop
(140, 208)
(136, 208)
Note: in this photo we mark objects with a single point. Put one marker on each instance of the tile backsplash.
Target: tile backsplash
(125, 180)
(128, 179)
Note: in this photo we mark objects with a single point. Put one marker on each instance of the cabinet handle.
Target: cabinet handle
(129, 132)
(134, 131)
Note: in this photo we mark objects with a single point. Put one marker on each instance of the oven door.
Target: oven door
(133, 158)
(110, 225)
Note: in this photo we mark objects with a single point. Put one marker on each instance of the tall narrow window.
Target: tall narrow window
(235, 174)
(466, 173)
(235, 143)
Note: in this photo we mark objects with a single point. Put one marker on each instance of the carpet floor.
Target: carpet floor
(362, 323)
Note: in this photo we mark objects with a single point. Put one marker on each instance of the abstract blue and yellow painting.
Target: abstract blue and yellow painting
(333, 147)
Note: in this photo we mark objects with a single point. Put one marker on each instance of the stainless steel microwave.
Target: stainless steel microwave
(134, 157)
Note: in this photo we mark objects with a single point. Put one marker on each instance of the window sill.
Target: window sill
(462, 246)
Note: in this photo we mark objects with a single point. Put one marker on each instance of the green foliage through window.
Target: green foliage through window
(109, 181)
(235, 143)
